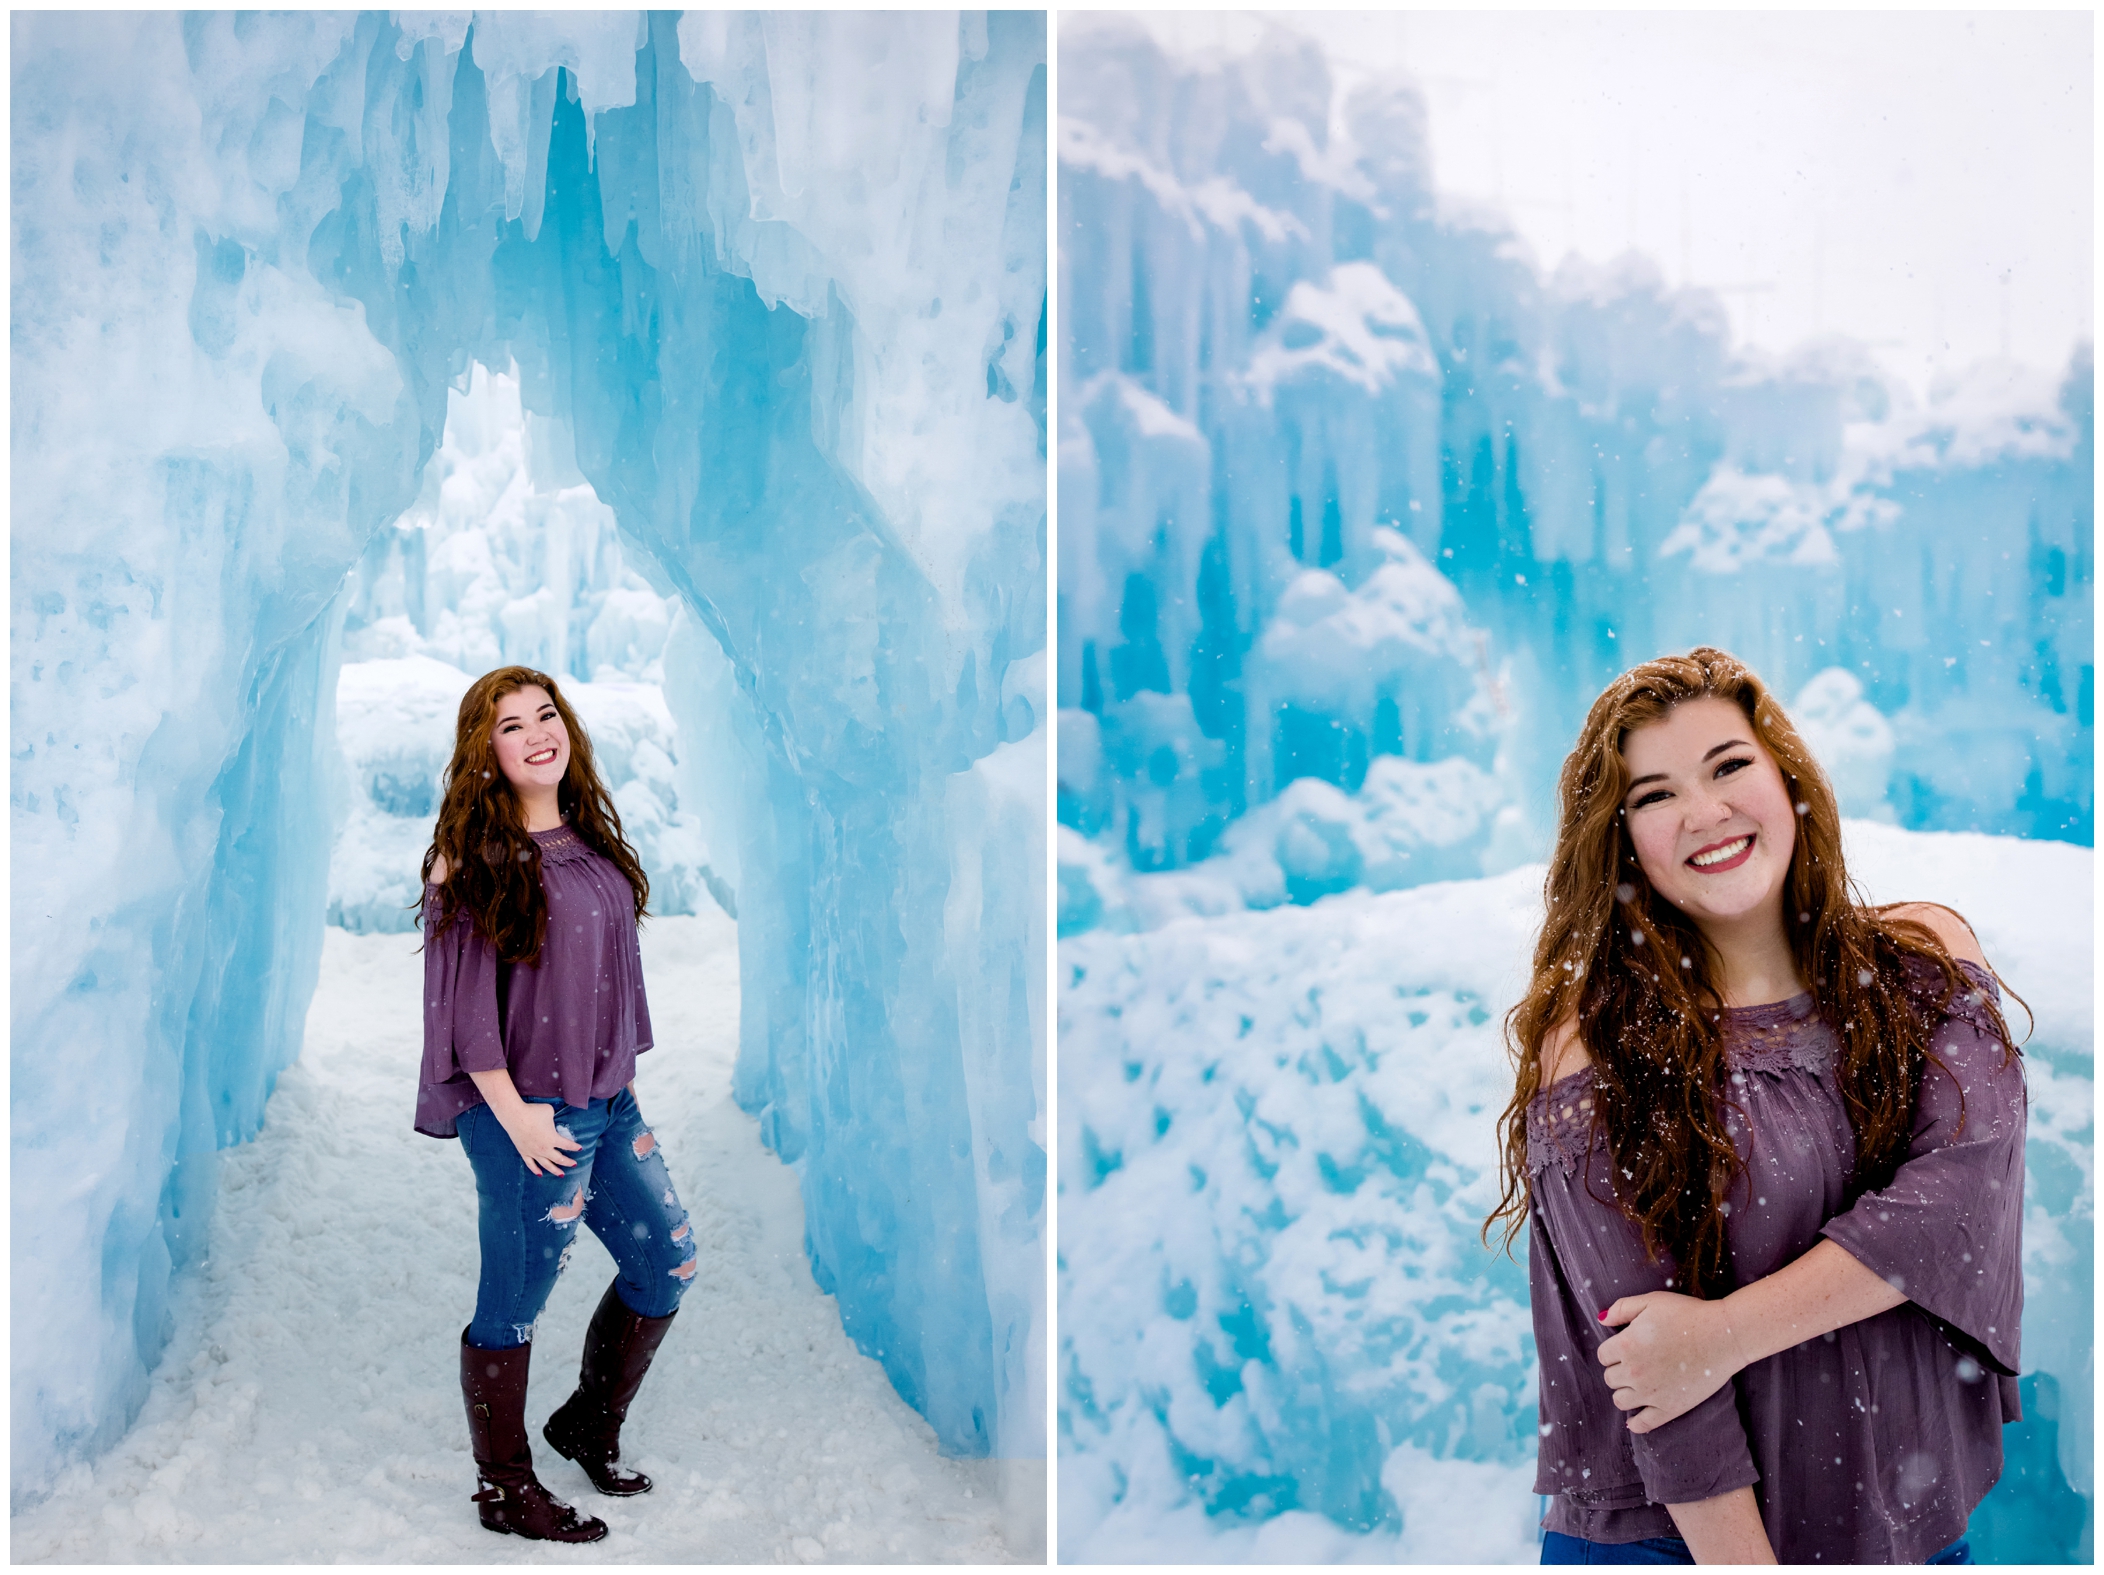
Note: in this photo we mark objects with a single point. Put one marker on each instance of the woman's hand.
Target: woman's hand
(1673, 1353)
(530, 1127)
(540, 1144)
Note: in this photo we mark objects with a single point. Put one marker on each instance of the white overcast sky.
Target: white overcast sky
(1921, 181)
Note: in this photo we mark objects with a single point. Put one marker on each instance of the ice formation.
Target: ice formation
(1344, 476)
(1276, 1150)
(776, 283)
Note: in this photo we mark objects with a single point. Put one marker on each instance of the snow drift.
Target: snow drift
(1280, 1335)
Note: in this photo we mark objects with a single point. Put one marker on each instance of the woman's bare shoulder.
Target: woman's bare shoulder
(1562, 1053)
(1955, 934)
(438, 870)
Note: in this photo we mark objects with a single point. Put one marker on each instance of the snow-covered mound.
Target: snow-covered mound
(1280, 1334)
(1408, 824)
(309, 1408)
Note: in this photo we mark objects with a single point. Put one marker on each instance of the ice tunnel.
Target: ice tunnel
(781, 279)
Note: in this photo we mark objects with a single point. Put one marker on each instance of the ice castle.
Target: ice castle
(773, 288)
(1354, 495)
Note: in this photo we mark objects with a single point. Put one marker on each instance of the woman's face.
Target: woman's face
(1708, 812)
(533, 747)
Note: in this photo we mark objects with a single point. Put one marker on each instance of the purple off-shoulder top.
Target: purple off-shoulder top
(570, 1026)
(1873, 1443)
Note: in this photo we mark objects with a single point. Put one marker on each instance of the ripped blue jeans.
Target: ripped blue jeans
(619, 1189)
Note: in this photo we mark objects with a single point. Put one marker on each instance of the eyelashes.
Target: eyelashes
(1727, 767)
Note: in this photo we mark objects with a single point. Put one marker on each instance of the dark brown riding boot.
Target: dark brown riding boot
(493, 1383)
(586, 1427)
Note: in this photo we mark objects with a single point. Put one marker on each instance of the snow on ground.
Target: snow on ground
(1280, 1338)
(309, 1406)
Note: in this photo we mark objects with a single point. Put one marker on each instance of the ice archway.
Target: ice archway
(782, 277)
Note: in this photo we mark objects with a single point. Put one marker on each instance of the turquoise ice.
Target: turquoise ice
(1359, 507)
(1352, 485)
(777, 284)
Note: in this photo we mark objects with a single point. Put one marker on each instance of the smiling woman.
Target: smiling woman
(534, 1014)
(1751, 1112)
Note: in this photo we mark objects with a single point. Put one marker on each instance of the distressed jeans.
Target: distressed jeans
(619, 1188)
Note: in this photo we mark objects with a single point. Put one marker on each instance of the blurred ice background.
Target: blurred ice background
(1368, 483)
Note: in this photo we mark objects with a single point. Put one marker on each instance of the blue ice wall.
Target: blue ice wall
(781, 278)
(1290, 365)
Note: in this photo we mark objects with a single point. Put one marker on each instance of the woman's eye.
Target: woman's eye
(1651, 797)
(1730, 766)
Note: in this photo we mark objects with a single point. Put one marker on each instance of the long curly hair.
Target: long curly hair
(1655, 1033)
(493, 867)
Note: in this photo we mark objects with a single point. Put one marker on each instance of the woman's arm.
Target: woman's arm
(1828, 1288)
(1583, 1253)
(1726, 1529)
(1676, 1351)
(530, 1127)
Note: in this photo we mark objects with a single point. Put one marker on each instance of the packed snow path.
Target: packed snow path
(309, 1406)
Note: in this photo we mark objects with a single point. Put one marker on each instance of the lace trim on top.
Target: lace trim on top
(1775, 1037)
(1560, 1125)
(561, 846)
(1779, 1036)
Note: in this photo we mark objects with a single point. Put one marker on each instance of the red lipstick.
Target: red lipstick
(1731, 863)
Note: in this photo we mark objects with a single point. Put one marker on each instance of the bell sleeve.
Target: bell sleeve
(463, 1031)
(1947, 1232)
(1584, 1254)
(643, 1037)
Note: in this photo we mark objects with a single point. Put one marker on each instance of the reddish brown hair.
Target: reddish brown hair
(493, 867)
(1655, 1033)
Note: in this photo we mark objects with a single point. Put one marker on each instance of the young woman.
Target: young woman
(1773, 1136)
(533, 1018)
